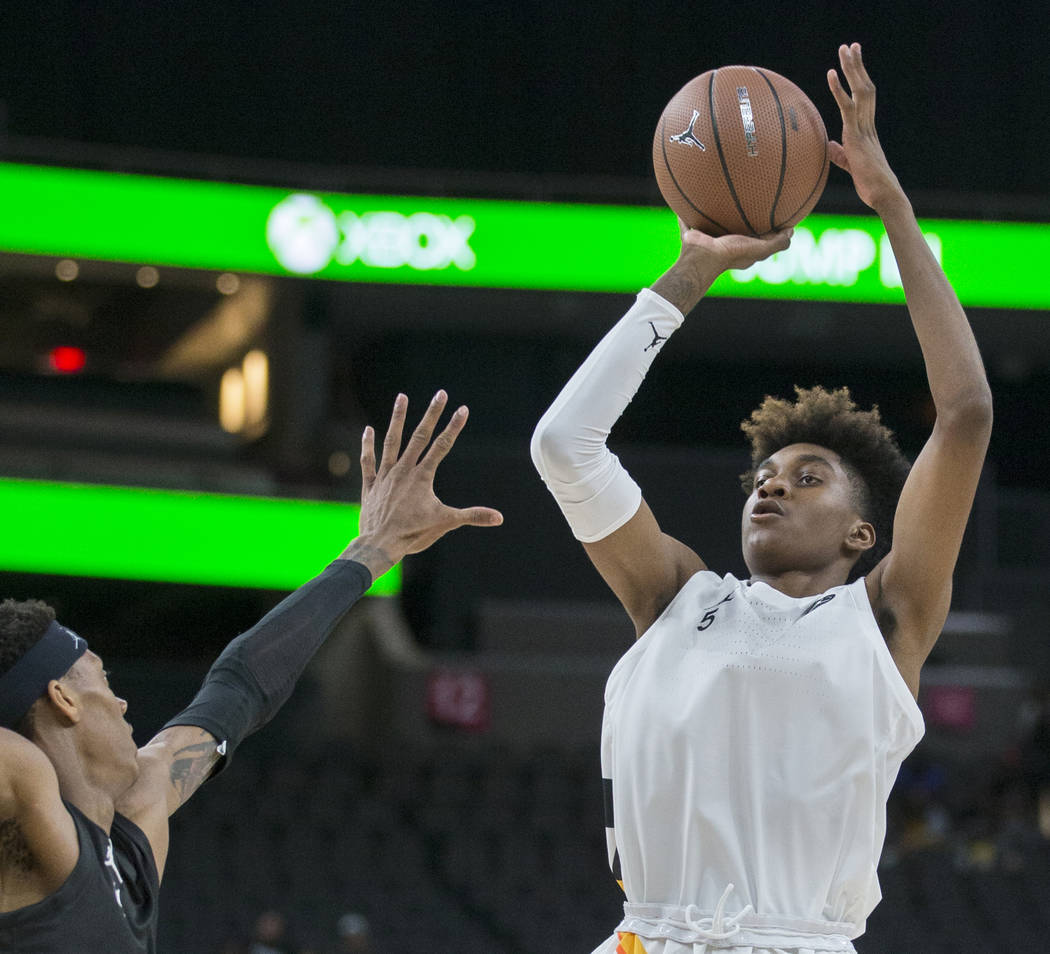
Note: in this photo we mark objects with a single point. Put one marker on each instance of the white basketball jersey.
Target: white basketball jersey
(752, 738)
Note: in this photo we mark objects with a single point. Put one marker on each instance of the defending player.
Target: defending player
(83, 815)
(753, 732)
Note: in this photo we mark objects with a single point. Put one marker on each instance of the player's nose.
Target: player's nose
(772, 487)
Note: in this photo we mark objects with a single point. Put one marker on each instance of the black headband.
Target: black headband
(50, 657)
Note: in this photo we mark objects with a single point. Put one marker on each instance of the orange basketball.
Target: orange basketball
(740, 150)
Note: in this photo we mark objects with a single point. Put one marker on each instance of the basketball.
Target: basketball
(740, 150)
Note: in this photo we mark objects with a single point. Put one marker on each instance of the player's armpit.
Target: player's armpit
(38, 829)
(912, 583)
(643, 566)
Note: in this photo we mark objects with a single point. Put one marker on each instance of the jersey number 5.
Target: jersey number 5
(709, 615)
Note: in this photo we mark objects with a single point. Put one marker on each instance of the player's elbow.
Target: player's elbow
(970, 414)
(551, 447)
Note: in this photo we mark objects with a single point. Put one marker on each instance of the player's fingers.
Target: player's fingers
(860, 83)
(417, 443)
(780, 241)
(838, 155)
(444, 441)
(392, 440)
(478, 517)
(845, 104)
(368, 458)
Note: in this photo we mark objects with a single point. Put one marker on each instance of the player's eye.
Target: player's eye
(808, 479)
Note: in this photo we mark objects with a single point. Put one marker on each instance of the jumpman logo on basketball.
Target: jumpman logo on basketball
(657, 338)
(689, 137)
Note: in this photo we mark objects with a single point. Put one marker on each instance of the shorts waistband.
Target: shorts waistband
(694, 925)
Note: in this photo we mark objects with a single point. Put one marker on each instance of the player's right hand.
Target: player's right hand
(736, 251)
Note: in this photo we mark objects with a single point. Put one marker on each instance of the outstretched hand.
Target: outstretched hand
(400, 513)
(860, 152)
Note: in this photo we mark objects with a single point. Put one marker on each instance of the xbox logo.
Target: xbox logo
(302, 233)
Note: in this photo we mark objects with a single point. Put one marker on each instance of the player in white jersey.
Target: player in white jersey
(752, 733)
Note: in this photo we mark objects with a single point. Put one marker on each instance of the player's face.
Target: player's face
(800, 513)
(107, 734)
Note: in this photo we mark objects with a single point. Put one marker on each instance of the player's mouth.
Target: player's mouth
(766, 510)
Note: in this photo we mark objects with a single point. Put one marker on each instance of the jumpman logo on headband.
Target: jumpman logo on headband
(73, 636)
(688, 137)
(657, 338)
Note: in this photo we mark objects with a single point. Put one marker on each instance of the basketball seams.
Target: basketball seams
(721, 154)
(674, 179)
(818, 185)
(783, 150)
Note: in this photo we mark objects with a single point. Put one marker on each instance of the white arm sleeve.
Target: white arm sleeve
(568, 447)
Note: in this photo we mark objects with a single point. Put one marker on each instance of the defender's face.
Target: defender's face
(107, 732)
(800, 511)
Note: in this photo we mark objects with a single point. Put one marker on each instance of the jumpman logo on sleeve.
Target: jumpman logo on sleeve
(657, 338)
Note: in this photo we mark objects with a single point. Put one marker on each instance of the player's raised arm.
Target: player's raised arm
(255, 674)
(912, 584)
(643, 566)
(38, 847)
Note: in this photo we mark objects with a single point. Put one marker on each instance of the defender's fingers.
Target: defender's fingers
(368, 458)
(425, 428)
(392, 440)
(444, 441)
(478, 517)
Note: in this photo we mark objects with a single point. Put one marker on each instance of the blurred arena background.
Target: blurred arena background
(234, 232)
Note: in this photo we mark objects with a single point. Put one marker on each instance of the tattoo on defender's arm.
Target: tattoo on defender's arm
(191, 765)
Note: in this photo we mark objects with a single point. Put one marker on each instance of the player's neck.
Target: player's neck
(96, 805)
(78, 783)
(800, 583)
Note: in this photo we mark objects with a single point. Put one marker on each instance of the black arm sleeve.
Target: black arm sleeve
(257, 671)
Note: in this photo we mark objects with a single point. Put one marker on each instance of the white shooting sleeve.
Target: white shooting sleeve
(568, 446)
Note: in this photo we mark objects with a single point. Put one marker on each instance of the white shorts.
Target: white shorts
(625, 943)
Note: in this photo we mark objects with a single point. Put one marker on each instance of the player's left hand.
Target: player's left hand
(400, 513)
(860, 152)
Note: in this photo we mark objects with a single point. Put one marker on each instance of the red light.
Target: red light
(66, 359)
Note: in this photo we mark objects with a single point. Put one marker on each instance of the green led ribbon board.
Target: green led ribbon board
(183, 223)
(132, 533)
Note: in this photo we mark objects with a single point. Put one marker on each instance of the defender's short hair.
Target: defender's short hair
(22, 624)
(868, 449)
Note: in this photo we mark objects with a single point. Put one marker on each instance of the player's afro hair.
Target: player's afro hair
(876, 466)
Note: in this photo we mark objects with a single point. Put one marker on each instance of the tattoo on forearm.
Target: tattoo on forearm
(191, 765)
(681, 290)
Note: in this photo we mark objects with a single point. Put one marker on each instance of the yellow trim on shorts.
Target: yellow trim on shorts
(629, 943)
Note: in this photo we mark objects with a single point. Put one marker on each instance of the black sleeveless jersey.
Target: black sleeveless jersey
(108, 904)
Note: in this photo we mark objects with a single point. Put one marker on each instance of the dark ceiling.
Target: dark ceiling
(540, 87)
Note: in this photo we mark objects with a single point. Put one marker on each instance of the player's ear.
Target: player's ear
(63, 701)
(861, 536)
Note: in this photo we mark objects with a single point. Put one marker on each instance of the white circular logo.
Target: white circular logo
(302, 233)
